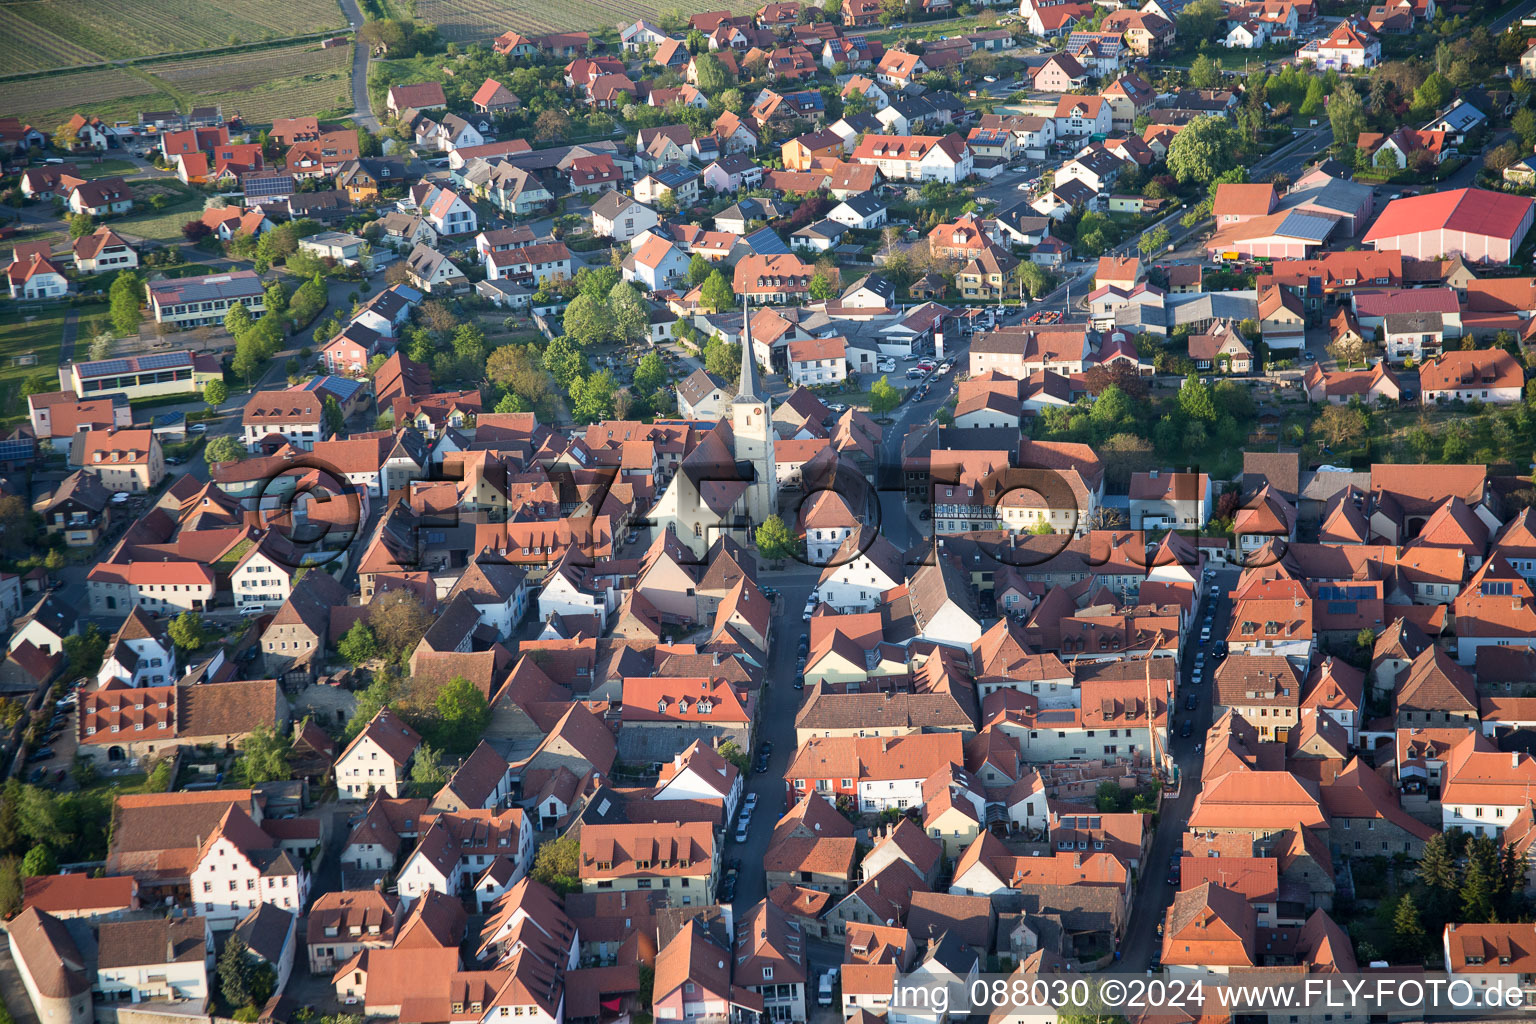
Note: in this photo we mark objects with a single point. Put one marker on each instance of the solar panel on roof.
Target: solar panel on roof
(164, 361)
(102, 367)
(17, 449)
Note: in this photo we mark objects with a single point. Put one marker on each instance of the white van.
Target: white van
(824, 994)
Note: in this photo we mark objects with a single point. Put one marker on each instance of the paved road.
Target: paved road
(362, 107)
(1155, 890)
(67, 338)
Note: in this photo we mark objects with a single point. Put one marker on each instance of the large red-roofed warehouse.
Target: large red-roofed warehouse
(1483, 226)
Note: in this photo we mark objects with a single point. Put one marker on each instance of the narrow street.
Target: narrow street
(1155, 888)
(362, 107)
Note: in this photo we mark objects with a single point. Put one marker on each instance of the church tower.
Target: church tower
(752, 423)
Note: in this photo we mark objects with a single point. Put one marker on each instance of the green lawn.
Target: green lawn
(159, 225)
(38, 334)
(106, 169)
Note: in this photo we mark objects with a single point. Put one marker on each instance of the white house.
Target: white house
(568, 592)
(621, 218)
(816, 361)
(163, 960)
(377, 758)
(459, 848)
(700, 773)
(656, 264)
(917, 157)
(865, 212)
(499, 592)
(240, 866)
(261, 580)
(137, 656)
(296, 416)
(867, 566)
(449, 213)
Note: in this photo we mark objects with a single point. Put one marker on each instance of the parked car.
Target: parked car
(750, 803)
(198, 428)
(1191, 702)
(1186, 728)
(40, 754)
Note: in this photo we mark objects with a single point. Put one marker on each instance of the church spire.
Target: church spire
(746, 391)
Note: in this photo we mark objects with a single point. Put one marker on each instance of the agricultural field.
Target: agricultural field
(25, 46)
(113, 94)
(59, 33)
(264, 84)
(471, 21)
(259, 85)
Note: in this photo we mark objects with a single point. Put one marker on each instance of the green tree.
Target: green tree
(1033, 280)
(1366, 639)
(558, 865)
(631, 316)
(588, 321)
(263, 756)
(427, 770)
(1203, 73)
(38, 861)
(824, 282)
(734, 755)
(1480, 882)
(591, 398)
(358, 644)
(469, 345)
(1346, 114)
(1107, 797)
(335, 419)
(1195, 399)
(124, 296)
(1524, 125)
(235, 970)
(186, 631)
(462, 715)
(381, 692)
(716, 294)
(1316, 97)
(723, 358)
(398, 621)
(40, 819)
(10, 887)
(710, 74)
(54, 560)
(83, 652)
(1433, 93)
(224, 448)
(564, 362)
(775, 540)
(650, 376)
(238, 320)
(698, 270)
(81, 224)
(1205, 148)
(1341, 426)
(1153, 241)
(1198, 20)
(1408, 930)
(883, 396)
(215, 393)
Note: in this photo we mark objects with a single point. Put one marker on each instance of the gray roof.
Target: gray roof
(265, 931)
(1338, 194)
(237, 284)
(865, 203)
(1310, 226)
(1210, 306)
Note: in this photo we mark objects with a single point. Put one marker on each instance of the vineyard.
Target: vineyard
(56, 33)
(109, 93)
(469, 21)
(265, 84)
(28, 47)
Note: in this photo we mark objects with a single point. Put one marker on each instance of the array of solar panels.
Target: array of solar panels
(158, 361)
(164, 361)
